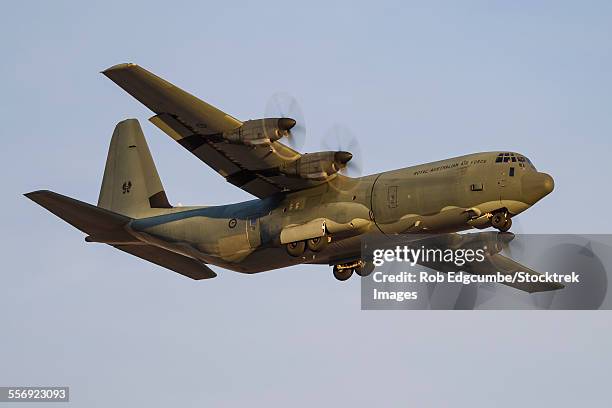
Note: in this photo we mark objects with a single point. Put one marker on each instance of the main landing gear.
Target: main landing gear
(296, 248)
(501, 221)
(314, 244)
(342, 274)
(344, 271)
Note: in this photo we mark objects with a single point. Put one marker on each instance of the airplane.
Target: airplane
(306, 211)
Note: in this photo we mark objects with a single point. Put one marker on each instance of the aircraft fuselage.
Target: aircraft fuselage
(445, 196)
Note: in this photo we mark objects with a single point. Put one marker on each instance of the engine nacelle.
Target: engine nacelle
(317, 166)
(260, 131)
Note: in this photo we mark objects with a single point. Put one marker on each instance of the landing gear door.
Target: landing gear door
(253, 232)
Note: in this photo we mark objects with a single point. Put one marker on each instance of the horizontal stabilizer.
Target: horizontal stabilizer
(189, 267)
(106, 226)
(86, 217)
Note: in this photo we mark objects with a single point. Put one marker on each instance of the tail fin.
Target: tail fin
(131, 184)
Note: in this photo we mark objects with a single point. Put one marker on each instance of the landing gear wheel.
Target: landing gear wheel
(506, 226)
(296, 248)
(342, 274)
(501, 222)
(317, 244)
(365, 269)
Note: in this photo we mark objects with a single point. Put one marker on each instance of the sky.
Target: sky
(414, 81)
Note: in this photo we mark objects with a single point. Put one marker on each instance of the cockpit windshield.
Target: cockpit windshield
(514, 158)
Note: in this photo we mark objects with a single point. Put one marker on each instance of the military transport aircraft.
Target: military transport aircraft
(306, 210)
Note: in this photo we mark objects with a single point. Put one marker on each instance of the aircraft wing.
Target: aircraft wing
(507, 266)
(492, 263)
(350, 250)
(198, 127)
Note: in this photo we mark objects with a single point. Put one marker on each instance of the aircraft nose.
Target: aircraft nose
(536, 186)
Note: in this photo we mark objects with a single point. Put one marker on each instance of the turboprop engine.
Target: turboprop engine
(260, 131)
(317, 166)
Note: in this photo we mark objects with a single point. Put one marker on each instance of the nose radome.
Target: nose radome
(548, 183)
(535, 186)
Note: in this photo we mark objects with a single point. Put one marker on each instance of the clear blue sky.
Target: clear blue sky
(415, 82)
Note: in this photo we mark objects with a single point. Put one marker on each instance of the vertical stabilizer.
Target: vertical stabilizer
(131, 185)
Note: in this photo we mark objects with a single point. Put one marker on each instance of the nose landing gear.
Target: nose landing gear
(501, 221)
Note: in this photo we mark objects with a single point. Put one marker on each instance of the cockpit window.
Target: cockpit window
(531, 164)
(508, 157)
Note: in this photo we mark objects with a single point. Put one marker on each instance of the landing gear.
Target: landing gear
(314, 244)
(317, 244)
(364, 269)
(296, 248)
(501, 221)
(342, 274)
(344, 271)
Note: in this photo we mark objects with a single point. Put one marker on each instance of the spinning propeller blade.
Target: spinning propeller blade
(283, 105)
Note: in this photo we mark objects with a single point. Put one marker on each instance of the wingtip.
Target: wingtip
(32, 194)
(118, 67)
(549, 287)
(39, 196)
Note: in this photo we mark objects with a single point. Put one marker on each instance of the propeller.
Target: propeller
(340, 139)
(572, 254)
(562, 254)
(284, 106)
